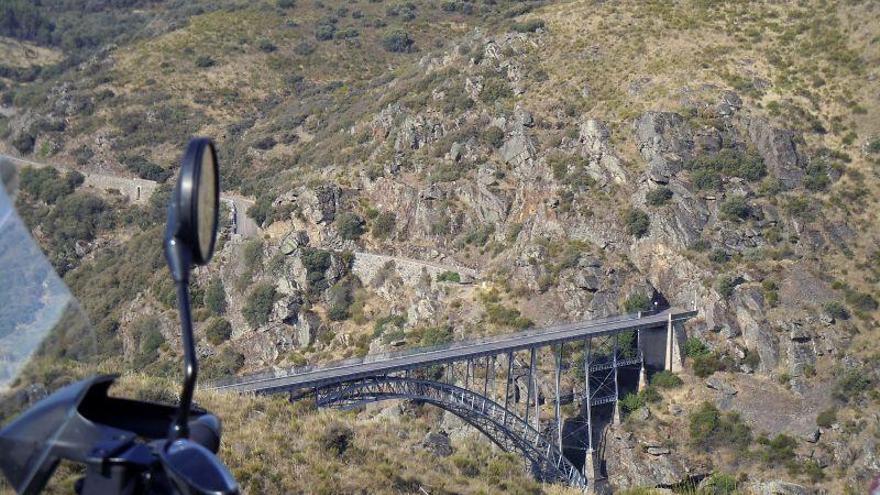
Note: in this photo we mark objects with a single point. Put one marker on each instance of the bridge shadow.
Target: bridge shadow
(575, 430)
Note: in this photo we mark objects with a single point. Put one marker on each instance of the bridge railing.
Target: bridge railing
(383, 356)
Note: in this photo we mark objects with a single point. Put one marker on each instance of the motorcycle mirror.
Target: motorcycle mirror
(193, 469)
(189, 238)
(195, 204)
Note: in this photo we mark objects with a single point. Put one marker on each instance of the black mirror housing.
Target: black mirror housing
(191, 230)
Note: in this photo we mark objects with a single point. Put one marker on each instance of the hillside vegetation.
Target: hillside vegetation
(519, 164)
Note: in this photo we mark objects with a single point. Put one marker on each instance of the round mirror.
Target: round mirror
(197, 200)
(206, 219)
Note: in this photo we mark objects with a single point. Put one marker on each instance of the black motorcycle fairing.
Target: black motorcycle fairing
(81, 423)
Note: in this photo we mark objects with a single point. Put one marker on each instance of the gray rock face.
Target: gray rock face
(307, 328)
(630, 466)
(320, 204)
(716, 383)
(294, 241)
(748, 307)
(779, 150)
(665, 142)
(777, 487)
(437, 443)
(518, 150)
(604, 164)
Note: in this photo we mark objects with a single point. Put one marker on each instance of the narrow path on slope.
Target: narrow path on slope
(139, 191)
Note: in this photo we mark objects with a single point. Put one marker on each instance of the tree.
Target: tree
(735, 208)
(659, 196)
(398, 41)
(494, 136)
(215, 297)
(350, 226)
(383, 225)
(259, 303)
(218, 331)
(636, 222)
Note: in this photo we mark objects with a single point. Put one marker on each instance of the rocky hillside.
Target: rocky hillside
(426, 172)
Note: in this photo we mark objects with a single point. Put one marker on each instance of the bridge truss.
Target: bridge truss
(511, 388)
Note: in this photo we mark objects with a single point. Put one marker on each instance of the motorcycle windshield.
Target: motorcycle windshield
(45, 338)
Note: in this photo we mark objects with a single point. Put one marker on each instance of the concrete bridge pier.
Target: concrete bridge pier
(674, 335)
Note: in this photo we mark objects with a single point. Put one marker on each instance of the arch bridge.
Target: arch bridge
(510, 387)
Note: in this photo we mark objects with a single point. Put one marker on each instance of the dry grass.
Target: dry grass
(14, 53)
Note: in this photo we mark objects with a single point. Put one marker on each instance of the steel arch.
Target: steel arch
(502, 426)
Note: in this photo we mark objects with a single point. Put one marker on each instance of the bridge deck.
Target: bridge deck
(379, 364)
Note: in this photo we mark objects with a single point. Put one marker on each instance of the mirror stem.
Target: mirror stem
(180, 263)
(180, 428)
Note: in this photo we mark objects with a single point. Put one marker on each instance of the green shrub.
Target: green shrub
(836, 310)
(851, 385)
(706, 180)
(637, 222)
(735, 208)
(398, 41)
(529, 26)
(204, 61)
(636, 302)
(494, 136)
(730, 162)
(383, 225)
(436, 335)
(666, 379)
(258, 305)
(325, 32)
(336, 438)
(721, 484)
(218, 331)
(827, 418)
(261, 209)
(285, 4)
(449, 276)
(338, 313)
(725, 285)
(350, 226)
(500, 315)
(146, 169)
(705, 366)
(46, 184)
(215, 297)
(225, 363)
(495, 88)
(817, 176)
(252, 253)
(659, 196)
(383, 323)
(778, 450)
(874, 146)
(266, 45)
(694, 347)
(631, 402)
(316, 262)
(710, 428)
(718, 256)
(861, 301)
(634, 401)
(146, 330)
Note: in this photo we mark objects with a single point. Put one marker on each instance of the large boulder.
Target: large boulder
(777, 487)
(665, 141)
(779, 149)
(319, 205)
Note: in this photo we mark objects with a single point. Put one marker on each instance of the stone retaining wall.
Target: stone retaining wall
(367, 265)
